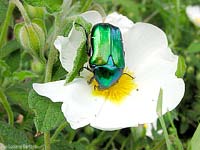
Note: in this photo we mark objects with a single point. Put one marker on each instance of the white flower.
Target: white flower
(2, 146)
(129, 102)
(193, 13)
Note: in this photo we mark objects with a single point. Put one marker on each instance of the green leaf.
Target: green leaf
(4, 69)
(15, 63)
(48, 115)
(8, 48)
(3, 9)
(159, 103)
(12, 136)
(19, 96)
(51, 5)
(58, 72)
(194, 47)
(195, 144)
(181, 67)
(22, 75)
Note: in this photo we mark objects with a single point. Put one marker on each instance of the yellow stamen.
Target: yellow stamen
(145, 126)
(117, 92)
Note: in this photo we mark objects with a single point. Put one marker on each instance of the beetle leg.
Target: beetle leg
(90, 81)
(128, 75)
(87, 68)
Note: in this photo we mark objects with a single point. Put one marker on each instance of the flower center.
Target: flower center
(117, 92)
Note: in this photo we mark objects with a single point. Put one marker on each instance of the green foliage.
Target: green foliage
(81, 57)
(12, 136)
(48, 115)
(194, 47)
(51, 5)
(32, 37)
(19, 96)
(3, 9)
(195, 139)
(181, 67)
(8, 48)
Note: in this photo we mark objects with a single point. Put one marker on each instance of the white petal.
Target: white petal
(120, 21)
(67, 46)
(193, 13)
(140, 107)
(141, 42)
(53, 90)
(79, 106)
(93, 17)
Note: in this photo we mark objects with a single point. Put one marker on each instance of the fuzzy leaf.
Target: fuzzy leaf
(18, 95)
(12, 136)
(181, 67)
(51, 5)
(8, 48)
(81, 56)
(48, 115)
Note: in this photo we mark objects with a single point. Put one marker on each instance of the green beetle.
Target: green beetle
(106, 54)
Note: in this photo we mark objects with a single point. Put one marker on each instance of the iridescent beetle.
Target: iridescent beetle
(106, 54)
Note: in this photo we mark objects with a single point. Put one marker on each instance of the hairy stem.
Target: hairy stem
(4, 101)
(47, 141)
(58, 130)
(4, 30)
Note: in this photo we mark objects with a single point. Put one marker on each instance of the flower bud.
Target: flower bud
(35, 12)
(37, 66)
(31, 37)
(89, 130)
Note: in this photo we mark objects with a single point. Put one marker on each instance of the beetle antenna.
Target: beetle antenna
(128, 75)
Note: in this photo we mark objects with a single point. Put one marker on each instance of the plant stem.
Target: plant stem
(50, 62)
(48, 76)
(162, 122)
(111, 139)
(4, 29)
(4, 101)
(86, 6)
(58, 130)
(22, 11)
(47, 141)
(178, 142)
